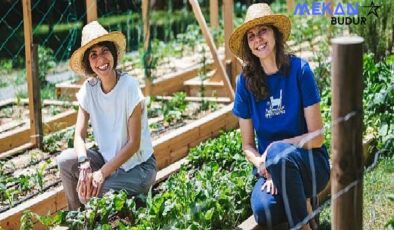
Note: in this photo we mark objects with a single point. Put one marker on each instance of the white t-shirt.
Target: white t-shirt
(109, 114)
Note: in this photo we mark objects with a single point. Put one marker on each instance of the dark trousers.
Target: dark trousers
(297, 174)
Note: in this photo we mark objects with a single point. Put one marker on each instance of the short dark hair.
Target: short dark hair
(112, 48)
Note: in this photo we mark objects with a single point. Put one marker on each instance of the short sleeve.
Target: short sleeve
(242, 99)
(309, 91)
(83, 97)
(135, 96)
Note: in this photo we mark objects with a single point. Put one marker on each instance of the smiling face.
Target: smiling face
(101, 60)
(261, 41)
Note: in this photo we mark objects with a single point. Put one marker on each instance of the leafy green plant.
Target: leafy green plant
(174, 108)
(39, 174)
(27, 220)
(24, 183)
(378, 98)
(46, 61)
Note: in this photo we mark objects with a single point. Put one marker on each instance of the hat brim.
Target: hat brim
(281, 22)
(76, 60)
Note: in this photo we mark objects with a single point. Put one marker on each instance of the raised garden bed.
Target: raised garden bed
(169, 148)
(200, 194)
(168, 77)
(15, 125)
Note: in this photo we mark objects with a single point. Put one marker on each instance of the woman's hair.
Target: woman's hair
(256, 79)
(112, 48)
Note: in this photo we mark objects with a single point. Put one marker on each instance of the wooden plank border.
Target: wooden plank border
(21, 136)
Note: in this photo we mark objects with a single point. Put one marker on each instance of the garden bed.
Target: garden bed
(168, 77)
(193, 196)
(15, 124)
(169, 148)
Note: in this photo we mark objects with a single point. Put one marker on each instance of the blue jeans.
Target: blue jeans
(297, 174)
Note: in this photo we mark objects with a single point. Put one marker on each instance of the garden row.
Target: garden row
(211, 190)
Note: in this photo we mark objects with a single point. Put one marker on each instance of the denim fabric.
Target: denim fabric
(297, 174)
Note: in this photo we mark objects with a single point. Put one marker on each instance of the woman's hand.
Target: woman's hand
(97, 182)
(261, 170)
(270, 187)
(84, 180)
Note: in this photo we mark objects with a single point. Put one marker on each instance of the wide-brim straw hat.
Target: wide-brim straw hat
(258, 14)
(93, 33)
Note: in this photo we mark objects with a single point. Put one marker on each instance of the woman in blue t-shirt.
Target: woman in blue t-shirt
(277, 100)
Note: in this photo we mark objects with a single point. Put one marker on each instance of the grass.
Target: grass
(378, 209)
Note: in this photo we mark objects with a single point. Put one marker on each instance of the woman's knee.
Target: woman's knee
(267, 212)
(66, 158)
(279, 152)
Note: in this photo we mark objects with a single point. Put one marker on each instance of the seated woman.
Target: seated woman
(277, 100)
(114, 104)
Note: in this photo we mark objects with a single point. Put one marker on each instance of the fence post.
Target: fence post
(38, 135)
(346, 145)
(147, 49)
(214, 13)
(231, 61)
(91, 10)
(290, 6)
(32, 76)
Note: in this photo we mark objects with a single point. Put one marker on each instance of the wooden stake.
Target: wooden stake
(228, 26)
(91, 10)
(36, 100)
(145, 19)
(34, 108)
(290, 6)
(212, 47)
(347, 150)
(214, 13)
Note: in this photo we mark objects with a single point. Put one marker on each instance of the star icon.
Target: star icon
(373, 9)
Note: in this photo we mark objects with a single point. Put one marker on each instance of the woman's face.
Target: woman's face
(261, 41)
(101, 60)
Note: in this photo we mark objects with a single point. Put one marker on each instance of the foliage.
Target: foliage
(5, 66)
(46, 61)
(27, 220)
(174, 108)
(378, 99)
(38, 176)
(378, 32)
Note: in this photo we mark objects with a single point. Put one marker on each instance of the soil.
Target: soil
(13, 116)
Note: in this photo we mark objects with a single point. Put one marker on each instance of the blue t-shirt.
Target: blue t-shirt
(281, 114)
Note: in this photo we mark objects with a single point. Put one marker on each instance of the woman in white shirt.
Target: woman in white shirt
(114, 104)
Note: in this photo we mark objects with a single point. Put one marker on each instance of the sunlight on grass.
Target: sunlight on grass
(377, 207)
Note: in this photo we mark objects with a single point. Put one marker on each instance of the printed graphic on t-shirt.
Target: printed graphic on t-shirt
(275, 107)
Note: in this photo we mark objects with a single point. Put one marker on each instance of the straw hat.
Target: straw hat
(92, 34)
(258, 14)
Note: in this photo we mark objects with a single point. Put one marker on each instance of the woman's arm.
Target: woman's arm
(248, 142)
(132, 145)
(81, 128)
(314, 138)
